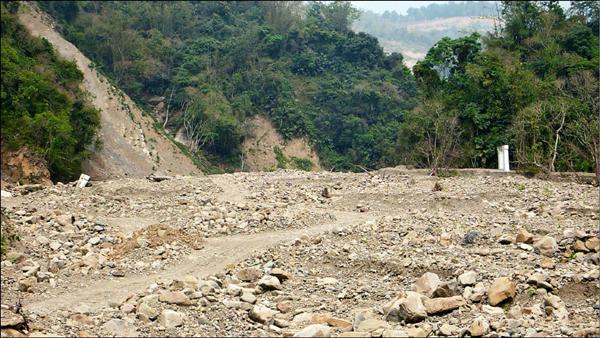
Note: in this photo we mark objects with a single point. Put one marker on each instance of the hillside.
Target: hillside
(415, 33)
(206, 69)
(130, 144)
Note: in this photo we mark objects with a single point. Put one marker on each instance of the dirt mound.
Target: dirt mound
(266, 150)
(131, 146)
(154, 236)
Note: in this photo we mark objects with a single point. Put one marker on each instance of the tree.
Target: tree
(434, 133)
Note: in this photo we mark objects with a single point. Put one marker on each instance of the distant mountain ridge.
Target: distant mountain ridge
(415, 33)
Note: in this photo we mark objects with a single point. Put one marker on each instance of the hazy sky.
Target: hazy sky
(401, 6)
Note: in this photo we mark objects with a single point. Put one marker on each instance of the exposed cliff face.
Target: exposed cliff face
(22, 166)
(260, 152)
(131, 146)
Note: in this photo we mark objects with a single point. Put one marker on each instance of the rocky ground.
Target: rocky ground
(288, 253)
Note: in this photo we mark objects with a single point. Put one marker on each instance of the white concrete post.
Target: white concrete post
(500, 152)
(83, 180)
(506, 160)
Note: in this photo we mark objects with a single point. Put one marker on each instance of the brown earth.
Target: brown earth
(24, 167)
(259, 153)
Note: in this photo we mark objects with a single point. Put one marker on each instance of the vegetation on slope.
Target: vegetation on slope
(218, 63)
(533, 85)
(42, 106)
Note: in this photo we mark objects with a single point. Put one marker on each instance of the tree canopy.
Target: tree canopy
(42, 106)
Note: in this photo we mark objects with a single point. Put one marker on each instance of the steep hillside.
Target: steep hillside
(205, 68)
(131, 146)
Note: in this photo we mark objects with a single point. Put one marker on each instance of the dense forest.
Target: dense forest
(532, 83)
(219, 63)
(42, 106)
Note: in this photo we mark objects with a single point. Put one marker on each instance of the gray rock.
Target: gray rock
(261, 314)
(171, 319)
(119, 328)
(269, 283)
(468, 278)
(471, 237)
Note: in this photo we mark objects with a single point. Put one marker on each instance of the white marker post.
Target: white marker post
(83, 180)
(503, 160)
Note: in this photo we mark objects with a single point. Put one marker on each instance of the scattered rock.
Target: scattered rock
(148, 311)
(119, 328)
(448, 330)
(170, 319)
(468, 278)
(174, 297)
(261, 314)
(428, 284)
(10, 319)
(546, 246)
(409, 309)
(248, 298)
(372, 324)
(479, 327)
(280, 274)
(249, 275)
(524, 236)
(501, 289)
(593, 244)
(440, 305)
(268, 282)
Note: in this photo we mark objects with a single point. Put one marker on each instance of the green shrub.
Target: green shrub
(302, 163)
(282, 161)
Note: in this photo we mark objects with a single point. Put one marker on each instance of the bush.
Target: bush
(302, 163)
